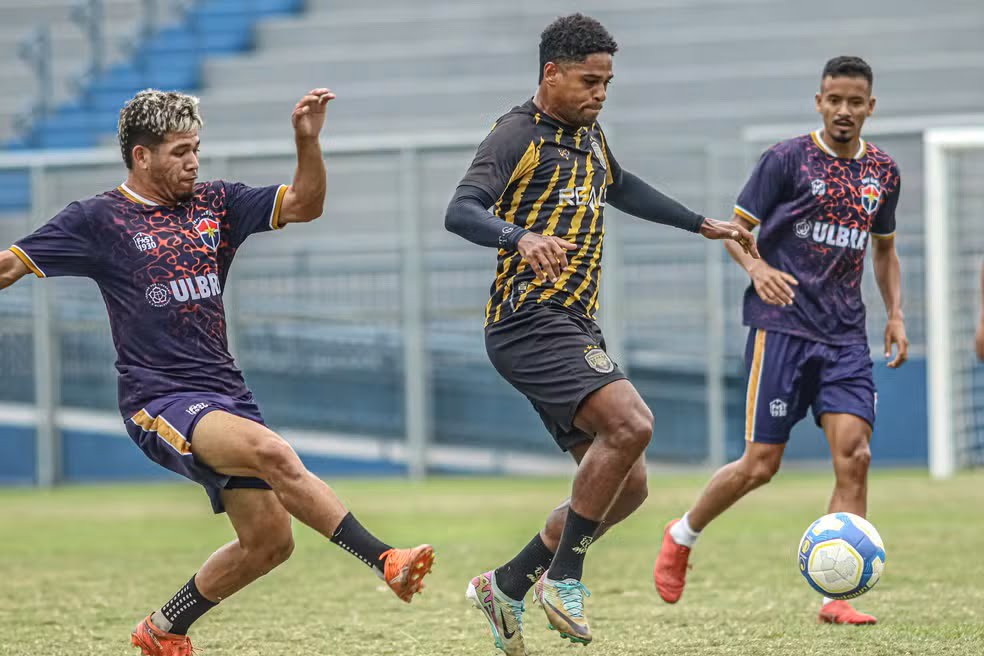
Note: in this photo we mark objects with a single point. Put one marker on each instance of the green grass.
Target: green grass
(79, 566)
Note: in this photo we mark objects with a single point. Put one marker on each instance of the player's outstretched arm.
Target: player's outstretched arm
(11, 269)
(889, 278)
(305, 198)
(979, 338)
(773, 286)
(634, 196)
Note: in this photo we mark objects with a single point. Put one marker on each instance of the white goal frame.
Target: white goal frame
(938, 143)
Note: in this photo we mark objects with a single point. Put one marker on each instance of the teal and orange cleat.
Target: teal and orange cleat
(563, 602)
(841, 612)
(504, 615)
(154, 642)
(404, 569)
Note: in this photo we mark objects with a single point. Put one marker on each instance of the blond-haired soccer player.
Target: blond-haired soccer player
(159, 247)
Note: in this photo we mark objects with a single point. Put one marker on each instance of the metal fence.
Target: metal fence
(368, 322)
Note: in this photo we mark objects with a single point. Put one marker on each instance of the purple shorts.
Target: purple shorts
(789, 374)
(163, 430)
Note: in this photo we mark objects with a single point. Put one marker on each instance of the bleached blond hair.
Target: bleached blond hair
(151, 115)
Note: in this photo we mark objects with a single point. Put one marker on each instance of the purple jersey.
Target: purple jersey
(817, 211)
(161, 271)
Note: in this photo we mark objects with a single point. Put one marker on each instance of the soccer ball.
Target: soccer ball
(841, 556)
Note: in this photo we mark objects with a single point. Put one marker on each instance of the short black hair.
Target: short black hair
(846, 66)
(572, 39)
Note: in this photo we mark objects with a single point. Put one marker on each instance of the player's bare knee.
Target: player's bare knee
(273, 553)
(853, 463)
(277, 461)
(758, 471)
(280, 551)
(632, 432)
(268, 544)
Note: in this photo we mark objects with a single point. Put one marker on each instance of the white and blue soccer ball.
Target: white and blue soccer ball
(841, 556)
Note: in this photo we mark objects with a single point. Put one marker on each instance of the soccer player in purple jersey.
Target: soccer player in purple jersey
(818, 198)
(159, 247)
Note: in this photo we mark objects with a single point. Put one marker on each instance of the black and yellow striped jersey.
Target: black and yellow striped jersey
(550, 179)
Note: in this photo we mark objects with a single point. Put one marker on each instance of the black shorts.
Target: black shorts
(556, 359)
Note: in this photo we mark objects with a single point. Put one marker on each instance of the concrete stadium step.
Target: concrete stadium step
(957, 33)
(683, 87)
(413, 25)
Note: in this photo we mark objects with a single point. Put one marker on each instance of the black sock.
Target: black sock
(185, 607)
(578, 535)
(355, 539)
(516, 577)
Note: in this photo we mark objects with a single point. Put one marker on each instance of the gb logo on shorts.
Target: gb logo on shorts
(598, 360)
(870, 194)
(208, 228)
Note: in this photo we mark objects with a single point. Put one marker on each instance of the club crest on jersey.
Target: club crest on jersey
(598, 360)
(144, 242)
(802, 228)
(208, 229)
(870, 194)
(818, 187)
(596, 147)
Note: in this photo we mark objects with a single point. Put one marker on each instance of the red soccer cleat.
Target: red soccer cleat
(404, 569)
(841, 612)
(154, 642)
(670, 570)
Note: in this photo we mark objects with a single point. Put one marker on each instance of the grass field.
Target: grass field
(79, 566)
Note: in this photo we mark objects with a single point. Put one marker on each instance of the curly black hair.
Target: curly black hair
(848, 67)
(572, 39)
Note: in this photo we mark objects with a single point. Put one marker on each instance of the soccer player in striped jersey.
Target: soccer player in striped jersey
(819, 198)
(547, 171)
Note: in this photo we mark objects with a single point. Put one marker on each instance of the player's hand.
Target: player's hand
(308, 116)
(713, 229)
(546, 256)
(773, 286)
(895, 334)
(979, 339)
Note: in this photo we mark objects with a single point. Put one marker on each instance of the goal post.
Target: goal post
(954, 214)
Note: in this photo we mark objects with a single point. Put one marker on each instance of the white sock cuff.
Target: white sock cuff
(685, 524)
(682, 534)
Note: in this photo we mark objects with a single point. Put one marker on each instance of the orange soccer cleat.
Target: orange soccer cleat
(404, 569)
(670, 570)
(841, 612)
(154, 642)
